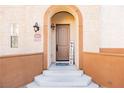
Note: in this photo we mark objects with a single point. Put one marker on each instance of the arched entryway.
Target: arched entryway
(63, 32)
(52, 10)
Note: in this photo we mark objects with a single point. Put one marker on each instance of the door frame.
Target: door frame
(56, 39)
(46, 25)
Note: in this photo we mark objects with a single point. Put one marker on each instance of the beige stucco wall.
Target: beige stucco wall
(26, 16)
(91, 27)
(112, 27)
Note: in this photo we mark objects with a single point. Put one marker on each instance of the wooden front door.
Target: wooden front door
(62, 41)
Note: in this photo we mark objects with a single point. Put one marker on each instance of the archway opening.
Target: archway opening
(64, 39)
(52, 12)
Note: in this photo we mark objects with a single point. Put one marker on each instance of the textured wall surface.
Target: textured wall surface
(105, 69)
(26, 16)
(112, 27)
(18, 70)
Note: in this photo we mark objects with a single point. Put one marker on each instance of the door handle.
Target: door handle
(56, 47)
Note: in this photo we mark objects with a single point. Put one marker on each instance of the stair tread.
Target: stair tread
(62, 73)
(59, 78)
(63, 81)
(54, 67)
(93, 85)
(32, 85)
(62, 76)
(63, 70)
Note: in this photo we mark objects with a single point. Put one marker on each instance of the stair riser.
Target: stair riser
(62, 76)
(61, 73)
(35, 85)
(62, 84)
(65, 75)
(63, 81)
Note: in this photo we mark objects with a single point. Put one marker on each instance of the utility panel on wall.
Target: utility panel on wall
(14, 35)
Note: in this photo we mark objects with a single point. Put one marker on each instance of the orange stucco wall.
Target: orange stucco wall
(105, 69)
(19, 70)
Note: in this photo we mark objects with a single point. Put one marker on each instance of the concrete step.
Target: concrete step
(35, 85)
(93, 85)
(65, 73)
(62, 76)
(44, 81)
(54, 67)
(32, 85)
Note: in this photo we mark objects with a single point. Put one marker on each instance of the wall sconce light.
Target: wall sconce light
(36, 27)
(53, 26)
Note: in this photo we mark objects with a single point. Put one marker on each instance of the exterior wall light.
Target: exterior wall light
(53, 26)
(36, 27)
